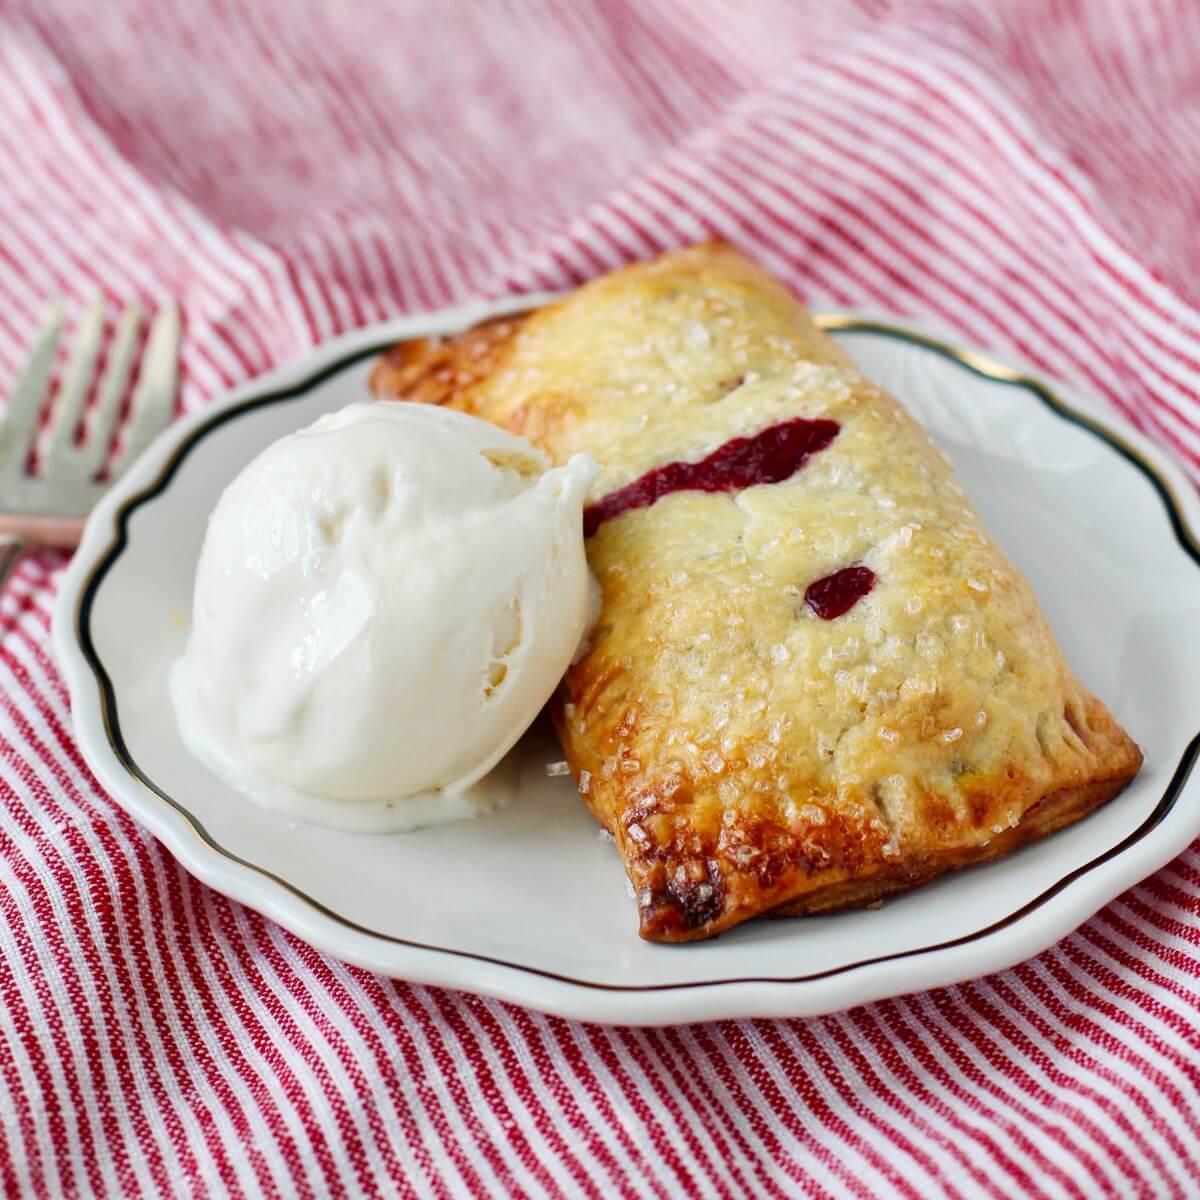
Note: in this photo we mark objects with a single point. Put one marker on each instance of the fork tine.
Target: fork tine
(19, 423)
(154, 398)
(77, 379)
(112, 389)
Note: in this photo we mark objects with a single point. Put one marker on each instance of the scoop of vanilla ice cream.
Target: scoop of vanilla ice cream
(383, 603)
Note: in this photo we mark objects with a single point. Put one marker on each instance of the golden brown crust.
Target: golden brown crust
(747, 756)
(1048, 815)
(442, 371)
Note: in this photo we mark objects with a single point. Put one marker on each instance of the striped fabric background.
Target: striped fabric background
(1025, 173)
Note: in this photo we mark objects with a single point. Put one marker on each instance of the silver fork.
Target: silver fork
(49, 508)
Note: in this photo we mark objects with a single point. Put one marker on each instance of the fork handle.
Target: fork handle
(11, 554)
(63, 532)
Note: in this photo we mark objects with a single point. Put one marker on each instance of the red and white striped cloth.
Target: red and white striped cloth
(1025, 172)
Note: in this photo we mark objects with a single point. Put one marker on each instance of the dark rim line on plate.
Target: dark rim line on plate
(977, 364)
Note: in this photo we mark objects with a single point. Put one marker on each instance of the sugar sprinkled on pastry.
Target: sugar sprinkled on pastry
(816, 679)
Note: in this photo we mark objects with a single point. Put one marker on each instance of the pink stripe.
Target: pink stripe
(1008, 1113)
(898, 245)
(957, 317)
(692, 1051)
(1014, 141)
(1151, 1041)
(700, 1163)
(895, 1065)
(141, 1041)
(831, 1150)
(1022, 172)
(383, 1066)
(181, 921)
(435, 1039)
(81, 1080)
(821, 1057)
(98, 177)
(872, 83)
(529, 1042)
(893, 1025)
(391, 1003)
(614, 1063)
(1004, 1025)
(284, 985)
(83, 266)
(453, 1010)
(665, 1055)
(48, 1100)
(573, 1054)
(1066, 1080)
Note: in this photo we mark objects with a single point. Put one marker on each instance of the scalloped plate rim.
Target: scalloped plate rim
(722, 999)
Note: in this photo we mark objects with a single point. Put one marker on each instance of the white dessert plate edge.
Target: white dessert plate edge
(1085, 886)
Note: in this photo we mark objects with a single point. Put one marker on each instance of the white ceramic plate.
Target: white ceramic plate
(530, 904)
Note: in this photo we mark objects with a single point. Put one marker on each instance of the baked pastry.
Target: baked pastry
(815, 680)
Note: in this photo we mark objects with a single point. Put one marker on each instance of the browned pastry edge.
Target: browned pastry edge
(444, 370)
(1052, 813)
(667, 919)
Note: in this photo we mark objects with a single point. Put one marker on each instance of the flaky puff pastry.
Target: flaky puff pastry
(749, 756)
